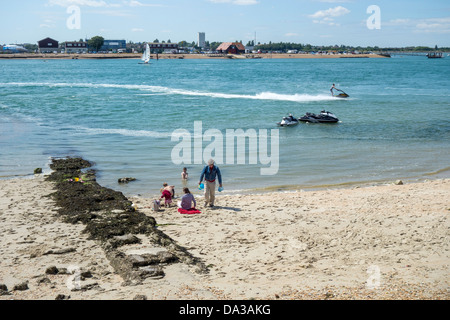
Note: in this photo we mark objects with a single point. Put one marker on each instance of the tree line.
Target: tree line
(95, 43)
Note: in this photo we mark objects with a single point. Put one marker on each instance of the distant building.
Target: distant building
(48, 45)
(76, 47)
(201, 40)
(231, 48)
(12, 48)
(167, 47)
(249, 49)
(113, 45)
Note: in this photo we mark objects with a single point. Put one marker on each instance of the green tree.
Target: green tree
(96, 43)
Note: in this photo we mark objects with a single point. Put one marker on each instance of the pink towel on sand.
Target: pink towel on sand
(189, 211)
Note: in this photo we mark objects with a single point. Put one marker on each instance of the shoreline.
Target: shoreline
(298, 245)
(441, 174)
(24, 56)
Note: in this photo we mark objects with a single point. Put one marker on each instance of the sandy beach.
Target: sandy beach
(51, 56)
(378, 242)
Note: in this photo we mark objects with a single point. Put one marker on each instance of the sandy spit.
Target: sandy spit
(51, 56)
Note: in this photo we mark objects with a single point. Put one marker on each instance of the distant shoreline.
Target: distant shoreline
(60, 56)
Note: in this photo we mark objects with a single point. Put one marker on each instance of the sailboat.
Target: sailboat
(146, 56)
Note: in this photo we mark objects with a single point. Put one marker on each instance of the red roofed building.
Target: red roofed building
(231, 48)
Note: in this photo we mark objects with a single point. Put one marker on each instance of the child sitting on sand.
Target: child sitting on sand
(186, 200)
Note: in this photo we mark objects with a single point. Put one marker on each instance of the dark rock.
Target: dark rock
(61, 251)
(87, 287)
(4, 290)
(167, 257)
(21, 286)
(63, 271)
(151, 272)
(111, 219)
(126, 180)
(52, 270)
(86, 274)
(140, 297)
(62, 297)
(118, 241)
(43, 280)
(38, 171)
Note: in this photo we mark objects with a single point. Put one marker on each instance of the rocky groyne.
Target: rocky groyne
(112, 220)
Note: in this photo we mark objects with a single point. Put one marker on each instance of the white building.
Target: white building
(76, 47)
(201, 39)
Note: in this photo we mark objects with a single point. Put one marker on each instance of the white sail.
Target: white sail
(146, 55)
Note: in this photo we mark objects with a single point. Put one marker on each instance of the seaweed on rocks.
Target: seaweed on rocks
(111, 219)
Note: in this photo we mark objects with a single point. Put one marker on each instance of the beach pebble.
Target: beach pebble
(42, 280)
(86, 274)
(52, 270)
(140, 297)
(62, 297)
(398, 182)
(86, 287)
(21, 286)
(4, 290)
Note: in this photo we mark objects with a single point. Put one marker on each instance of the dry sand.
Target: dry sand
(380, 242)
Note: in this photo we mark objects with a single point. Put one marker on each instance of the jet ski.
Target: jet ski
(341, 95)
(288, 121)
(323, 117)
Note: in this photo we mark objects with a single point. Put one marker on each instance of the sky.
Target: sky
(383, 23)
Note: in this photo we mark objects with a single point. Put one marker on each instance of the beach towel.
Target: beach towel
(189, 211)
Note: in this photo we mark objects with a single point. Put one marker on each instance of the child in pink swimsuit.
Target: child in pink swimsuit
(167, 195)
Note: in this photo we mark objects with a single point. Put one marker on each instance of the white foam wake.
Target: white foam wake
(172, 91)
(122, 132)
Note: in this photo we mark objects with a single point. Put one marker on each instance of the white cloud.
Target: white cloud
(236, 2)
(434, 25)
(100, 3)
(134, 3)
(327, 16)
(87, 3)
(398, 22)
(332, 12)
(335, 1)
(137, 30)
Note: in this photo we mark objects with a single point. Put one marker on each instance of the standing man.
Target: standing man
(210, 172)
(333, 88)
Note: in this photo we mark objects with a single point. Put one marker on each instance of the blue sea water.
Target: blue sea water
(121, 115)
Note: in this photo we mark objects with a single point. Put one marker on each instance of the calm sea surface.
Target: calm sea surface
(121, 115)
